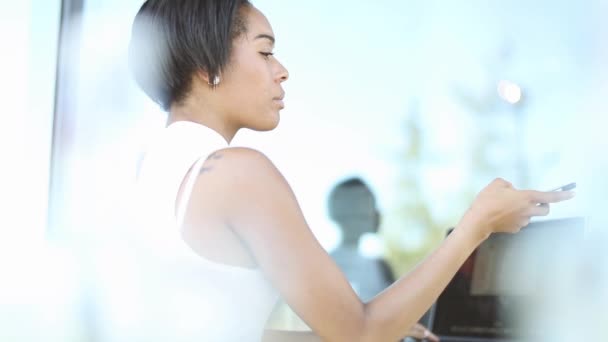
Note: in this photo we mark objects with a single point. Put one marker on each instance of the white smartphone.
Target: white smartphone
(566, 187)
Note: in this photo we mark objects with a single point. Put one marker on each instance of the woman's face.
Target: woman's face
(251, 83)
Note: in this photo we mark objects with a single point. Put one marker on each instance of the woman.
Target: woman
(210, 64)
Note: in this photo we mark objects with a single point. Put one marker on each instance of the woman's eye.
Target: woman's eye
(266, 54)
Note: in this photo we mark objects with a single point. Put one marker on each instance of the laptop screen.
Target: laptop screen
(498, 283)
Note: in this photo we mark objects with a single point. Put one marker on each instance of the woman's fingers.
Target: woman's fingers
(539, 210)
(430, 336)
(503, 183)
(548, 197)
(418, 331)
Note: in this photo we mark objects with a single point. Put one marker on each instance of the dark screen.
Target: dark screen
(503, 279)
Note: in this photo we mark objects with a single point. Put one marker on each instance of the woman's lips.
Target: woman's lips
(279, 102)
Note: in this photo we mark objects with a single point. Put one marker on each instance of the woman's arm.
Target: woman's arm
(252, 197)
(418, 331)
(290, 336)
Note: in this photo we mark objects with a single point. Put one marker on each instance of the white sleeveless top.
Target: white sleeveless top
(191, 298)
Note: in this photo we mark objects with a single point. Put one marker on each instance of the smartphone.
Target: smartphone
(566, 187)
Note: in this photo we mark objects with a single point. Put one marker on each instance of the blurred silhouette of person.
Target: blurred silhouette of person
(352, 206)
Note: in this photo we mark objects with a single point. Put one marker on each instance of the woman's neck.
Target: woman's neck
(204, 117)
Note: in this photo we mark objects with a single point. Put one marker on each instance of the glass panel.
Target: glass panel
(29, 31)
(426, 101)
(35, 293)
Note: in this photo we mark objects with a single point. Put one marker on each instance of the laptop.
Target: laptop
(493, 295)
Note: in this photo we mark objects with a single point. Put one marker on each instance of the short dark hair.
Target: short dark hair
(172, 39)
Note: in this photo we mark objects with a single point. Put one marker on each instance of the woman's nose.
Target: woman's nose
(283, 74)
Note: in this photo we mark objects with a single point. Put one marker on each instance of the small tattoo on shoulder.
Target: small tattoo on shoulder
(205, 170)
(214, 156)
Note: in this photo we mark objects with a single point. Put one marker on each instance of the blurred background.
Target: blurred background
(426, 101)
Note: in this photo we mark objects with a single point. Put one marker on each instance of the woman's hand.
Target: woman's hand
(499, 207)
(420, 332)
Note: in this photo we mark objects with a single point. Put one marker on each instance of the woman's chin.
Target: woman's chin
(271, 122)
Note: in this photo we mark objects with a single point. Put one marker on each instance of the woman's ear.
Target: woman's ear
(204, 78)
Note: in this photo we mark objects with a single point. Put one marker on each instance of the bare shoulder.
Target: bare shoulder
(237, 185)
(240, 163)
(238, 174)
(236, 155)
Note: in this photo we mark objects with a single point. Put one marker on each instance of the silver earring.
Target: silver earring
(216, 81)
